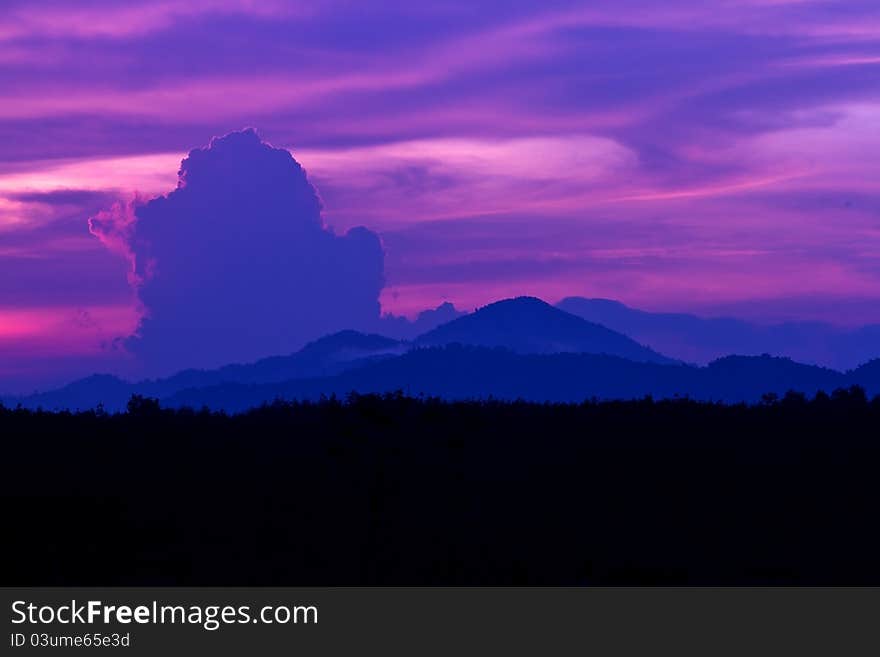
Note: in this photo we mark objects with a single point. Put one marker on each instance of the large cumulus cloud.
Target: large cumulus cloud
(237, 264)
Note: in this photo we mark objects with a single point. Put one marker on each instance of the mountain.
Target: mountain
(520, 348)
(524, 325)
(528, 325)
(461, 371)
(110, 391)
(467, 372)
(402, 328)
(747, 378)
(701, 340)
(326, 356)
(867, 376)
(323, 357)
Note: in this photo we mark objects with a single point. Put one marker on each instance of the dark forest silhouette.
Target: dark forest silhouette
(396, 490)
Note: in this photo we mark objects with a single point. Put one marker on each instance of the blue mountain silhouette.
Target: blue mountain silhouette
(323, 357)
(528, 325)
(519, 348)
(465, 372)
(701, 340)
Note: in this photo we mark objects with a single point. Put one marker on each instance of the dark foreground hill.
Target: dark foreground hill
(400, 491)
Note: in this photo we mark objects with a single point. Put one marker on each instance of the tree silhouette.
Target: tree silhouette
(143, 407)
(391, 489)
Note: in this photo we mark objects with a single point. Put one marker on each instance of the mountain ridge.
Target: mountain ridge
(461, 372)
(697, 339)
(520, 347)
(530, 325)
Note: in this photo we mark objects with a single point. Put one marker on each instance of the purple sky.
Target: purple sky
(682, 155)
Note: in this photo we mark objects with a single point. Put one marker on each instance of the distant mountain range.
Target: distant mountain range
(464, 372)
(325, 357)
(701, 340)
(402, 328)
(519, 348)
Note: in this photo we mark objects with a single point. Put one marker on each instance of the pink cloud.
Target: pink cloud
(115, 229)
(86, 329)
(132, 18)
(475, 176)
(147, 173)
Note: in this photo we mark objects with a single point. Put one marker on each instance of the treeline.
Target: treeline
(389, 489)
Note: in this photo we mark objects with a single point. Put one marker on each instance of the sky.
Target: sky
(718, 158)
